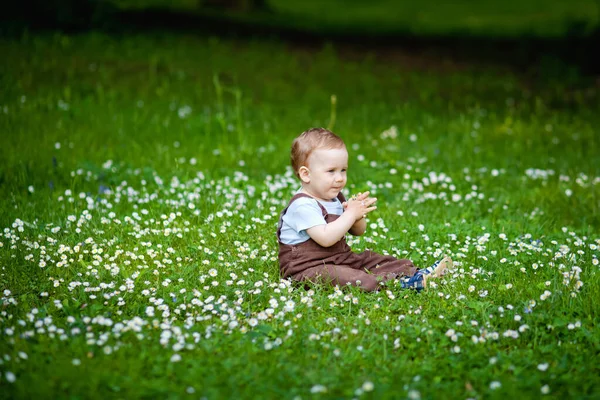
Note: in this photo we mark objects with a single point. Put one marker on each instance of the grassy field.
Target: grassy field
(141, 181)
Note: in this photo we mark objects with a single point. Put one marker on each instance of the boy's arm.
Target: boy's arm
(329, 234)
(359, 227)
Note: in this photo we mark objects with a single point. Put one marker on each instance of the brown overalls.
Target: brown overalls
(338, 265)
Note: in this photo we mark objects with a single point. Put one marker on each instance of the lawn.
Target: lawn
(142, 177)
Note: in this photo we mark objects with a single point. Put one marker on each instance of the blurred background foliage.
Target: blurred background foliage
(487, 17)
(510, 18)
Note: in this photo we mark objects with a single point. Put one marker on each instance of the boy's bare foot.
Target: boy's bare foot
(442, 267)
(438, 269)
(419, 280)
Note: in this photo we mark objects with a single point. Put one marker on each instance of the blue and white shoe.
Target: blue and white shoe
(416, 282)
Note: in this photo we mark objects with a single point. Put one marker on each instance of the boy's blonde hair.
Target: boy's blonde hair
(310, 140)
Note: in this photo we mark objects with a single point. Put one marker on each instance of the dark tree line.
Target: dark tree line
(81, 14)
(55, 13)
(238, 5)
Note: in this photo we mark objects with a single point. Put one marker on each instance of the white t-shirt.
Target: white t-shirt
(304, 213)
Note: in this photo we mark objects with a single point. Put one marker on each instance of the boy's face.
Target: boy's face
(325, 175)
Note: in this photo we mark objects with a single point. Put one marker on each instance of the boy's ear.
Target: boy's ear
(304, 173)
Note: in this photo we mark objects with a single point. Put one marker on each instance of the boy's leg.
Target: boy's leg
(340, 275)
(386, 266)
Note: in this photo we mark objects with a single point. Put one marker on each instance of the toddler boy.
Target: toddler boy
(312, 228)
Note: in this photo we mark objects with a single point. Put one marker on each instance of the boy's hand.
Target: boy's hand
(360, 205)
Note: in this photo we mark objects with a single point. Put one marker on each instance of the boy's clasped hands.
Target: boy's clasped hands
(360, 205)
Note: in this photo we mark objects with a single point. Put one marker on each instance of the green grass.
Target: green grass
(146, 135)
